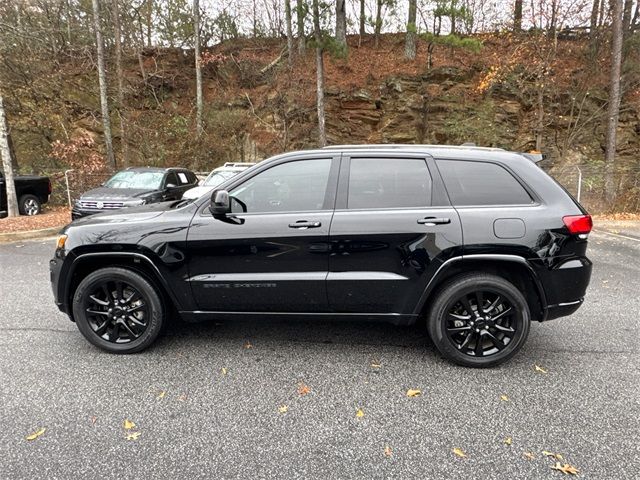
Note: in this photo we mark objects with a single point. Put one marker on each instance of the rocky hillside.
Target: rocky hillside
(256, 106)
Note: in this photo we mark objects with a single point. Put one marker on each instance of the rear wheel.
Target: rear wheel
(479, 320)
(29, 205)
(118, 310)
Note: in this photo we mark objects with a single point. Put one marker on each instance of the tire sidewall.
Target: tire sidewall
(468, 284)
(146, 290)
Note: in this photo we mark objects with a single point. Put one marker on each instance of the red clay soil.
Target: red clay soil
(51, 217)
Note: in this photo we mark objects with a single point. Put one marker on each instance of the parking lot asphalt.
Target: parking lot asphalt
(208, 399)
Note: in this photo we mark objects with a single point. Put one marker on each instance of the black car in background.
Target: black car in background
(32, 191)
(134, 187)
(473, 243)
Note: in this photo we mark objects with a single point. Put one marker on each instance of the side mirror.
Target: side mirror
(220, 203)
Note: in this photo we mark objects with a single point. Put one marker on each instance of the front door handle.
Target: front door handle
(303, 224)
(433, 221)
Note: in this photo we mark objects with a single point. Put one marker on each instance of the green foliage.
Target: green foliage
(175, 23)
(454, 41)
(479, 126)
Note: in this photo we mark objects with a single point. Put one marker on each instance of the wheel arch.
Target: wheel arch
(513, 268)
(86, 263)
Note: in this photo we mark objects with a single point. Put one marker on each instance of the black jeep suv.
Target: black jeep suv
(477, 242)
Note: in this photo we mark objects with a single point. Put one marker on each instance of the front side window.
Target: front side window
(288, 187)
(481, 183)
(388, 183)
(135, 179)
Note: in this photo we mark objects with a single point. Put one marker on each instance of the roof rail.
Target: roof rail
(408, 146)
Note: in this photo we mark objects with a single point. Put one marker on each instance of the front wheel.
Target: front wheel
(118, 310)
(479, 320)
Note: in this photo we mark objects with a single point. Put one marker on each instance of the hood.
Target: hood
(126, 215)
(118, 194)
(197, 192)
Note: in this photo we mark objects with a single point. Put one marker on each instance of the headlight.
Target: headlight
(62, 239)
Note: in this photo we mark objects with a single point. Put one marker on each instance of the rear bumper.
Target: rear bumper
(565, 285)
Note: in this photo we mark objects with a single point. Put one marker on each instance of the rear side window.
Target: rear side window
(388, 183)
(481, 183)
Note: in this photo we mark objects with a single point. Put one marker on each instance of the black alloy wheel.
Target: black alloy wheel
(479, 320)
(118, 310)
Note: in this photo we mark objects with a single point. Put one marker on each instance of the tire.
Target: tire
(456, 332)
(129, 305)
(29, 205)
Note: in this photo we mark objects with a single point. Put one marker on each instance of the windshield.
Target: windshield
(135, 179)
(216, 178)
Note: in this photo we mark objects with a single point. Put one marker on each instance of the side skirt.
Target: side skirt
(393, 318)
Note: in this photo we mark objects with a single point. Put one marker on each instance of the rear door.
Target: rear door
(392, 229)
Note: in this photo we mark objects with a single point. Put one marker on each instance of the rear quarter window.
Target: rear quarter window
(481, 183)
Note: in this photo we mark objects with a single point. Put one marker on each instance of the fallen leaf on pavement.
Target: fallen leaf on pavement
(36, 434)
(413, 392)
(128, 424)
(223, 371)
(161, 395)
(93, 420)
(504, 398)
(303, 389)
(459, 452)
(551, 454)
(508, 441)
(387, 451)
(359, 413)
(283, 409)
(529, 455)
(248, 345)
(375, 365)
(566, 468)
(133, 435)
(182, 398)
(538, 368)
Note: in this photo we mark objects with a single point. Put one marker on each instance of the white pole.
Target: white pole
(579, 182)
(66, 180)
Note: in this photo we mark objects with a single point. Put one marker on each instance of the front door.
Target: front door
(392, 228)
(274, 256)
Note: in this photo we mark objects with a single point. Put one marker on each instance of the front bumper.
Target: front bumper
(55, 268)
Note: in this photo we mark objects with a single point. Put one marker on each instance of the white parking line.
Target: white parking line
(616, 235)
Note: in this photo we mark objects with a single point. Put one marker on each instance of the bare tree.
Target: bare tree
(378, 25)
(301, 10)
(614, 100)
(341, 24)
(362, 19)
(287, 11)
(5, 153)
(322, 136)
(410, 38)
(517, 16)
(117, 31)
(198, 62)
(102, 80)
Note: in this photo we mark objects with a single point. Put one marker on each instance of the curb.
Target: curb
(29, 234)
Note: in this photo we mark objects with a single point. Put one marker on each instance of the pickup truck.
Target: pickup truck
(32, 192)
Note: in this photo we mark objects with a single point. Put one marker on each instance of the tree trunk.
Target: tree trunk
(149, 21)
(322, 136)
(410, 38)
(117, 31)
(287, 11)
(198, 64)
(378, 26)
(363, 19)
(5, 153)
(626, 20)
(300, 12)
(341, 24)
(102, 79)
(517, 16)
(614, 102)
(593, 23)
(540, 114)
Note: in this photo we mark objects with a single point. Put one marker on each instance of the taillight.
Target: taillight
(578, 224)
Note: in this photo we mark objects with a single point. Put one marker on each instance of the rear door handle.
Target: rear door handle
(303, 224)
(433, 221)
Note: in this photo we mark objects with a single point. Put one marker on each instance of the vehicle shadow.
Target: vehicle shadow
(287, 331)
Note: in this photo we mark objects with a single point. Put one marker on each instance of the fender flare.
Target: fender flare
(446, 265)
